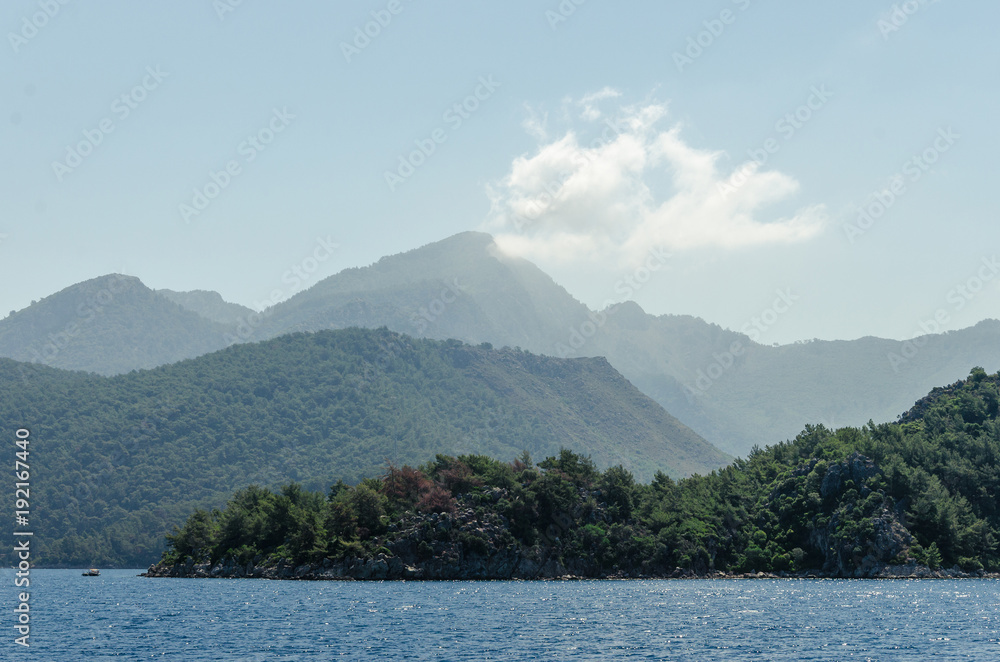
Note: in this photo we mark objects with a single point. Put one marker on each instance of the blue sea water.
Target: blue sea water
(121, 616)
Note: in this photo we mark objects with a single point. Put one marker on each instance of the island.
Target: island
(912, 498)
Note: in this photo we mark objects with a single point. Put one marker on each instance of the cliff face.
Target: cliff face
(857, 550)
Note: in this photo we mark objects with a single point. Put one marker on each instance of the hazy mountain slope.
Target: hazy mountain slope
(461, 287)
(107, 325)
(209, 305)
(767, 394)
(121, 459)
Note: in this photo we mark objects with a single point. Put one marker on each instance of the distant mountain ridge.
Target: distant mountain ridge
(764, 393)
(463, 287)
(209, 305)
(107, 325)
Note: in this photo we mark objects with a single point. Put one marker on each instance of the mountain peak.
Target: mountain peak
(460, 287)
(469, 238)
(113, 281)
(108, 324)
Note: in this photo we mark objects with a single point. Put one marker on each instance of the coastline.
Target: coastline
(392, 569)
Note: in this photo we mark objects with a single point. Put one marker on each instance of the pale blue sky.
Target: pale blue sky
(684, 129)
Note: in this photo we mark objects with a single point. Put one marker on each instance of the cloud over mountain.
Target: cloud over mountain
(623, 182)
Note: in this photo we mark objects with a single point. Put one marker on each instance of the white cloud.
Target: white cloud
(590, 111)
(602, 198)
(535, 123)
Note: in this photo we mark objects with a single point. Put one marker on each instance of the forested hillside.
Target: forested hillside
(895, 499)
(118, 460)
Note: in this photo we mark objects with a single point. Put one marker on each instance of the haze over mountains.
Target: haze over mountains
(209, 305)
(108, 325)
(728, 388)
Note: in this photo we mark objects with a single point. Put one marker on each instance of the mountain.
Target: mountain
(108, 325)
(121, 459)
(762, 393)
(209, 305)
(462, 287)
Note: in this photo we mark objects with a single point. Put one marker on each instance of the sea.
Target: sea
(121, 616)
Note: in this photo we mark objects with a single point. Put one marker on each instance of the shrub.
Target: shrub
(437, 500)
(405, 486)
(474, 544)
(968, 564)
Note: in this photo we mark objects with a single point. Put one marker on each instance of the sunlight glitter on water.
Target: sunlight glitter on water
(132, 617)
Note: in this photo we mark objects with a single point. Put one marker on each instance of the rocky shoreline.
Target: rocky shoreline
(393, 569)
(481, 519)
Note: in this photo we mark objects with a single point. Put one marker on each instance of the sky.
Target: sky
(826, 167)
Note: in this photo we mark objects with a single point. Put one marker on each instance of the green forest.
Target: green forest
(844, 503)
(117, 461)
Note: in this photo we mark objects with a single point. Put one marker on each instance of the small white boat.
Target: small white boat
(93, 572)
